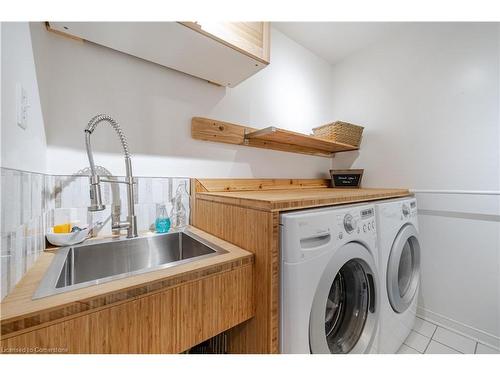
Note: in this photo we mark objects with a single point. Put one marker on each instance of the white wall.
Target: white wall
(154, 106)
(461, 262)
(21, 149)
(429, 99)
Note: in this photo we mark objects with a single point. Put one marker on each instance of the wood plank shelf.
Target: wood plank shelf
(270, 138)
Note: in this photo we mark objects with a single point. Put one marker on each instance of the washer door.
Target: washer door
(344, 313)
(403, 269)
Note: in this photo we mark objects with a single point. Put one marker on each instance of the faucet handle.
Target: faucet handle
(96, 228)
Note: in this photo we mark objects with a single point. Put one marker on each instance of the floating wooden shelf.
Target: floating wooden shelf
(271, 138)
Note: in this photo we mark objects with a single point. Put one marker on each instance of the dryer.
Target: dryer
(399, 266)
(329, 281)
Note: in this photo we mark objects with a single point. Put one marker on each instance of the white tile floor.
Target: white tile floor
(428, 338)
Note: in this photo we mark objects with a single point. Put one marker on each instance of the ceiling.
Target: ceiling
(334, 41)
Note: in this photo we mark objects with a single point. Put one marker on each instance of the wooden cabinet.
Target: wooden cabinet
(225, 53)
(246, 212)
(256, 231)
(170, 321)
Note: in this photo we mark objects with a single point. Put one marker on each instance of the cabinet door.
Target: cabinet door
(132, 327)
(176, 319)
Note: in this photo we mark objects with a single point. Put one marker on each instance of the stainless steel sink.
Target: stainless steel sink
(97, 262)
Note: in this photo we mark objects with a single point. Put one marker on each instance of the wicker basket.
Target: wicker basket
(339, 131)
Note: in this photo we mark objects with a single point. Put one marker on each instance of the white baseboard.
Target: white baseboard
(461, 328)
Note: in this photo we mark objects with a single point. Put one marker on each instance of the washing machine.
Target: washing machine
(329, 281)
(399, 267)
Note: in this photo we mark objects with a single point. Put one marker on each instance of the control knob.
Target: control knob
(406, 210)
(350, 223)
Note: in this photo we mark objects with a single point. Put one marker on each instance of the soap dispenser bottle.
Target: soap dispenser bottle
(179, 214)
(162, 223)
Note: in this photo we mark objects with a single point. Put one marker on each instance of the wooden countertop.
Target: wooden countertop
(292, 199)
(18, 312)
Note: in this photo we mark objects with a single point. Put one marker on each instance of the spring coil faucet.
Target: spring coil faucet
(95, 187)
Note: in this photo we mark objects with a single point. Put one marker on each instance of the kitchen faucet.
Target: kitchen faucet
(116, 204)
(95, 187)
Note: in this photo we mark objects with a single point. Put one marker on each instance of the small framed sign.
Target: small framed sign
(346, 178)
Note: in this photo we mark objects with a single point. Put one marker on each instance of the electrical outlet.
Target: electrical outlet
(22, 106)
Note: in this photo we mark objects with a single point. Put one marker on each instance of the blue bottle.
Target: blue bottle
(162, 223)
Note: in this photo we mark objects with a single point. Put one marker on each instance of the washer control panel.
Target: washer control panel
(309, 233)
(408, 209)
(357, 222)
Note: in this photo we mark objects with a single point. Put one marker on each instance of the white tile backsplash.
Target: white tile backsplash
(34, 202)
(4, 274)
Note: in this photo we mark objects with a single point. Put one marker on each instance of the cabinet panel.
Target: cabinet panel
(133, 327)
(71, 336)
(257, 232)
(177, 319)
(181, 46)
(170, 321)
